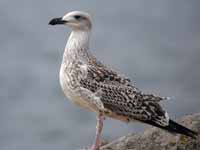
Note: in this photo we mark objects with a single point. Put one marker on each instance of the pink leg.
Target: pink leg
(99, 128)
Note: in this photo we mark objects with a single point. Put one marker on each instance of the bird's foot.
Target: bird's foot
(93, 147)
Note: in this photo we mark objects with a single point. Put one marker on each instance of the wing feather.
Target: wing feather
(101, 73)
(120, 96)
(126, 101)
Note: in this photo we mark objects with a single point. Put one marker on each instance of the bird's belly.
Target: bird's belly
(75, 98)
(74, 93)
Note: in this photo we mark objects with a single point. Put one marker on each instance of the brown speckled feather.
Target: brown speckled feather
(120, 97)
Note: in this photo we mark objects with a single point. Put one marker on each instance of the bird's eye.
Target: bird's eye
(77, 17)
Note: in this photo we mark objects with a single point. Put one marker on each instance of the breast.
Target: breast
(72, 91)
(65, 82)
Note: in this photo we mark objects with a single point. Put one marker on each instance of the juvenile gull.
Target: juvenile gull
(90, 84)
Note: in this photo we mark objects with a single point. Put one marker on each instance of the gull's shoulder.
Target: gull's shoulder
(101, 73)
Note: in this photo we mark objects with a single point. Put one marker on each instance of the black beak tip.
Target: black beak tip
(52, 22)
(56, 21)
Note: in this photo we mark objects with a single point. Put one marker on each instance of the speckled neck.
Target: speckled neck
(77, 46)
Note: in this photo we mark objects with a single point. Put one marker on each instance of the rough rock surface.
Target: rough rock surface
(157, 139)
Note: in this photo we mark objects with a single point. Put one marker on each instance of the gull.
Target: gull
(92, 85)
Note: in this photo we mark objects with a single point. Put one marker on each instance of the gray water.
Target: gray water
(156, 43)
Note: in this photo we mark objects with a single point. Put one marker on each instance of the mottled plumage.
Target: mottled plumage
(92, 85)
(119, 96)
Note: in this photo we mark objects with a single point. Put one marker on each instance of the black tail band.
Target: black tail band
(174, 127)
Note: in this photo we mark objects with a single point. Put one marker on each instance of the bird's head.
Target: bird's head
(76, 20)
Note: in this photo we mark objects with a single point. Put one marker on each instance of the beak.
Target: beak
(56, 21)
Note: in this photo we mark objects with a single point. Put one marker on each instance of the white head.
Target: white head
(76, 20)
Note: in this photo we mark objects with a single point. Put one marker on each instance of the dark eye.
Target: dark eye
(77, 17)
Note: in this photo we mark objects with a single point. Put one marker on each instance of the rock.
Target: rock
(157, 139)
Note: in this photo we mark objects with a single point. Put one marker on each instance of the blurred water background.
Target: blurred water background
(156, 43)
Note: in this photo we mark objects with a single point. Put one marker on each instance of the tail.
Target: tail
(177, 128)
(174, 127)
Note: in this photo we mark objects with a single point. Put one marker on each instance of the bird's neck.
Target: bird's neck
(77, 45)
